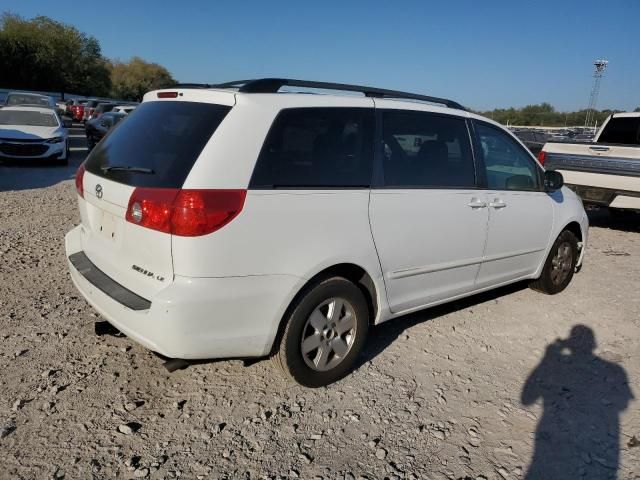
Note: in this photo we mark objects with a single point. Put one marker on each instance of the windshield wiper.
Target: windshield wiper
(126, 168)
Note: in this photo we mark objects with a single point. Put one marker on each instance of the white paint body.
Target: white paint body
(225, 294)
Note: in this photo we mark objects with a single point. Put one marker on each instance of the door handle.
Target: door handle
(599, 149)
(477, 203)
(497, 203)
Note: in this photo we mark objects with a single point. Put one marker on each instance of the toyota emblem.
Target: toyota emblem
(99, 190)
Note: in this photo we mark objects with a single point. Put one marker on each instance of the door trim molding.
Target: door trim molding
(438, 267)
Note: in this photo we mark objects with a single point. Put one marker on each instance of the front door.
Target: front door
(520, 212)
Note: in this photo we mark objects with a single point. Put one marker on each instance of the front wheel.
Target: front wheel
(560, 265)
(325, 331)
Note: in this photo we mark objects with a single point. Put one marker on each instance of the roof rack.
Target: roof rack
(273, 85)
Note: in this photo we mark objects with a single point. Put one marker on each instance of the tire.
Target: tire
(560, 265)
(340, 336)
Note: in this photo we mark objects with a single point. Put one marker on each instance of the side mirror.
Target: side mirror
(553, 181)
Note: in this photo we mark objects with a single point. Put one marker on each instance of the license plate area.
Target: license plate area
(108, 226)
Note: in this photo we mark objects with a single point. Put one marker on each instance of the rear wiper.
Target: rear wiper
(126, 168)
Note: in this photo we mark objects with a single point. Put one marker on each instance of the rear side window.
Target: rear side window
(317, 148)
(622, 130)
(426, 150)
(162, 138)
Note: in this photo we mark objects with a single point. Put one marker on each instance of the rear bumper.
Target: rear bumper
(616, 191)
(197, 318)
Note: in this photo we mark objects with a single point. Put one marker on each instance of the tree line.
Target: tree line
(545, 115)
(45, 55)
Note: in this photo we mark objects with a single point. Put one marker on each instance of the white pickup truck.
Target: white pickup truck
(605, 172)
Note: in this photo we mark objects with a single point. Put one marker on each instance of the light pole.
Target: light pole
(600, 66)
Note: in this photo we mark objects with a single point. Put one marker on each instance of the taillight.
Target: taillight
(79, 180)
(187, 213)
(542, 156)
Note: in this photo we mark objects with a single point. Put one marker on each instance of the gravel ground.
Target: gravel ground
(438, 394)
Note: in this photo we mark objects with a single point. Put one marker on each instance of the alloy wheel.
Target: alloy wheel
(328, 334)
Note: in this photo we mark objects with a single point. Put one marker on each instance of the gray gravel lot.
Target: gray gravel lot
(438, 394)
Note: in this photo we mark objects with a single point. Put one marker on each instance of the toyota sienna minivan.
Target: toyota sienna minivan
(263, 219)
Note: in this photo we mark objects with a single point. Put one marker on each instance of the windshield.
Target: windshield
(33, 119)
(165, 138)
(25, 99)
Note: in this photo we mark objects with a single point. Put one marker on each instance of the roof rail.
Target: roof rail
(273, 85)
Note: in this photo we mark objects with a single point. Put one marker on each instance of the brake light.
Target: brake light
(542, 156)
(187, 213)
(167, 94)
(80, 180)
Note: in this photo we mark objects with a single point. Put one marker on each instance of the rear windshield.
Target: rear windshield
(163, 139)
(621, 130)
(22, 117)
(25, 99)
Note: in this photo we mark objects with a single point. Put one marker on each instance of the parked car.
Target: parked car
(607, 171)
(100, 109)
(89, 107)
(534, 140)
(33, 133)
(237, 221)
(97, 128)
(34, 100)
(75, 109)
(124, 108)
(31, 99)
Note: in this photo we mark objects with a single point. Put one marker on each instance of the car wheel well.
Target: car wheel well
(351, 272)
(574, 227)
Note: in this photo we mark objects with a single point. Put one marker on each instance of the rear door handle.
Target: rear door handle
(477, 203)
(599, 149)
(497, 203)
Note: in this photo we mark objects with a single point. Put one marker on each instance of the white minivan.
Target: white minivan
(251, 220)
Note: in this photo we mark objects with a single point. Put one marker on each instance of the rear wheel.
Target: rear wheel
(560, 265)
(325, 331)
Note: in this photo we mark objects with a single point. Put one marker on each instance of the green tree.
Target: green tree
(543, 115)
(637, 109)
(43, 54)
(131, 80)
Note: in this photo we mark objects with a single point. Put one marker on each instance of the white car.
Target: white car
(123, 108)
(34, 133)
(240, 221)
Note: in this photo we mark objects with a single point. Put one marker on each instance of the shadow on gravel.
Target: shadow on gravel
(29, 174)
(381, 336)
(620, 220)
(583, 396)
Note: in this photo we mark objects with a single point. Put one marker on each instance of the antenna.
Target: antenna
(600, 66)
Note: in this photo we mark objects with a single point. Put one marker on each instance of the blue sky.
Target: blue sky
(484, 54)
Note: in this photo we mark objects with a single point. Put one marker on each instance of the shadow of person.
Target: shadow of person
(583, 396)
